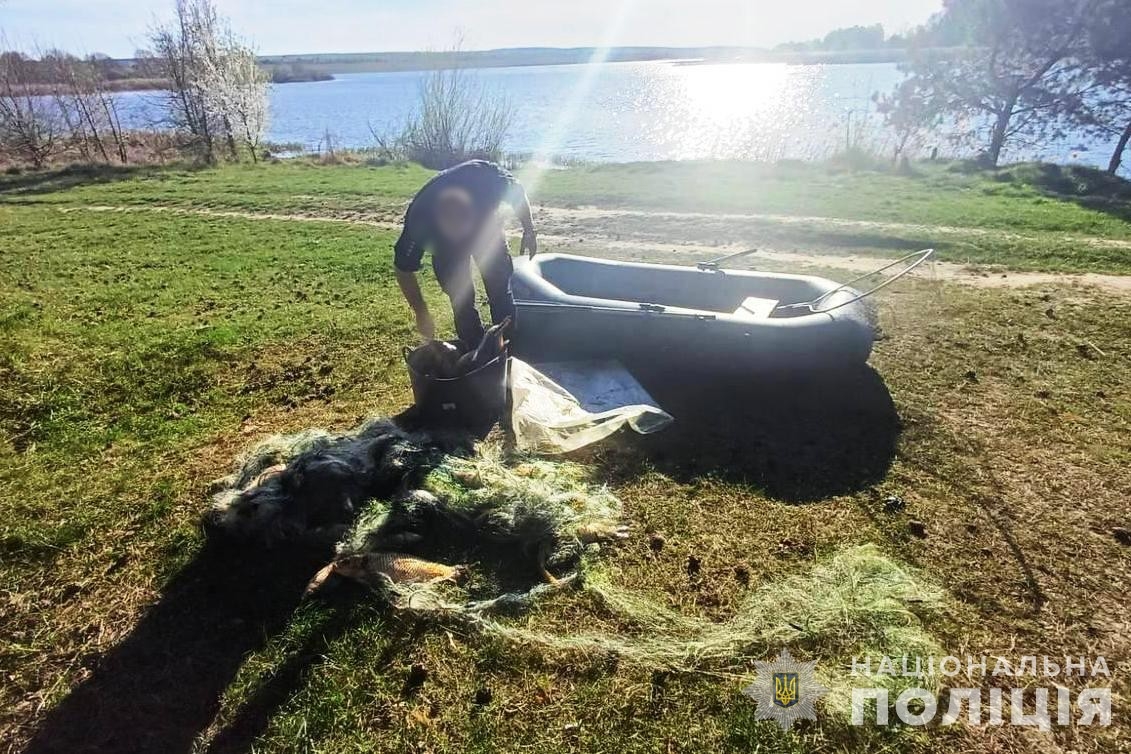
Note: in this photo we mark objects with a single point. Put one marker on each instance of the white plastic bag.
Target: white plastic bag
(546, 418)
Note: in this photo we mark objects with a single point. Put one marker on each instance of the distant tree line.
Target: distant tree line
(286, 73)
(1003, 73)
(142, 71)
(214, 95)
(847, 39)
(50, 68)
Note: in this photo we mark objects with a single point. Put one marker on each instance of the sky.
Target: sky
(118, 27)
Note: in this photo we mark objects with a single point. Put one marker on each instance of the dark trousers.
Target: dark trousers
(452, 266)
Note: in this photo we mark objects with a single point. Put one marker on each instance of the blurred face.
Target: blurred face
(455, 216)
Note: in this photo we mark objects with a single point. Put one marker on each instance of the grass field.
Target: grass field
(153, 324)
(1028, 217)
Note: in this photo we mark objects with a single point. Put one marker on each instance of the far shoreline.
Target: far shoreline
(321, 67)
(881, 57)
(125, 86)
(405, 62)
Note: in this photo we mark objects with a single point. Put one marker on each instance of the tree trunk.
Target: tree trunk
(110, 110)
(230, 137)
(997, 140)
(92, 124)
(1117, 156)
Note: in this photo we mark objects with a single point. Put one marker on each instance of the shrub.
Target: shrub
(457, 119)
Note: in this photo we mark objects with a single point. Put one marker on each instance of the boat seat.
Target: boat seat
(756, 308)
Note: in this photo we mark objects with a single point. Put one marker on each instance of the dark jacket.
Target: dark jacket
(488, 185)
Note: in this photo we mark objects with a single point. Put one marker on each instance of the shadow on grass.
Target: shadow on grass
(50, 181)
(241, 733)
(867, 241)
(161, 686)
(1088, 187)
(798, 439)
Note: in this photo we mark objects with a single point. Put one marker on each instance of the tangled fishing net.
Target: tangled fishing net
(857, 602)
(316, 482)
(522, 522)
(404, 506)
(413, 514)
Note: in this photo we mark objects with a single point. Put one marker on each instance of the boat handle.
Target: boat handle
(918, 256)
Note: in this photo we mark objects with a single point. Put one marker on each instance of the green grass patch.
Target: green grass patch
(932, 195)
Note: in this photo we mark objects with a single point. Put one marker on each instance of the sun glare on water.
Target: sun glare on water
(724, 92)
(717, 110)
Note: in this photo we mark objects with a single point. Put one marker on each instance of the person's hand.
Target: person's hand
(529, 243)
(425, 325)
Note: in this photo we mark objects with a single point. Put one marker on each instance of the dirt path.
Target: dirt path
(588, 215)
(353, 219)
(592, 213)
(564, 230)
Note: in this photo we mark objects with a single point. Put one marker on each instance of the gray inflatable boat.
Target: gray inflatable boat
(572, 307)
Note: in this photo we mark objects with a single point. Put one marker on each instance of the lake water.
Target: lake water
(618, 112)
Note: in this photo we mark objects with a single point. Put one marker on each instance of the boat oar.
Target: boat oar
(712, 265)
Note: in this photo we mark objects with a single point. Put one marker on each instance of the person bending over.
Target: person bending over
(456, 216)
